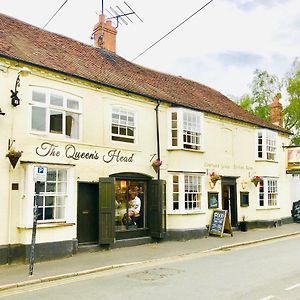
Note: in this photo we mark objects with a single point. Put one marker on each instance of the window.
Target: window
(268, 193)
(123, 125)
(55, 112)
(266, 145)
(186, 129)
(52, 195)
(186, 192)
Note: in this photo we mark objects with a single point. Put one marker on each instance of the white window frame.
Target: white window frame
(178, 127)
(266, 145)
(63, 109)
(26, 213)
(180, 190)
(268, 193)
(123, 138)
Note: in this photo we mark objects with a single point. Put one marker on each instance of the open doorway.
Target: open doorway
(229, 199)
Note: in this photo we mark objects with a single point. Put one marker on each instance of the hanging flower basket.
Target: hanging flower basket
(256, 180)
(214, 177)
(14, 156)
(156, 164)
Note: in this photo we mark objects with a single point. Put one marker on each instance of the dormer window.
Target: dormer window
(186, 129)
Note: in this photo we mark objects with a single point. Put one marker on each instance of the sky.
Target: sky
(220, 46)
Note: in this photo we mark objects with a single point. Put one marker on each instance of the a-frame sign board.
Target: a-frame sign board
(220, 223)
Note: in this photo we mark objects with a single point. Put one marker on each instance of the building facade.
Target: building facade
(130, 154)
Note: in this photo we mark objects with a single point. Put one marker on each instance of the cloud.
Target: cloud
(237, 58)
(247, 5)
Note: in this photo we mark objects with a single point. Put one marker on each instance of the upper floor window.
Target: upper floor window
(186, 129)
(55, 112)
(123, 125)
(266, 144)
(268, 193)
(186, 192)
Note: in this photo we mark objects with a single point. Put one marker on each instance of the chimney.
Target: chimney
(276, 112)
(105, 34)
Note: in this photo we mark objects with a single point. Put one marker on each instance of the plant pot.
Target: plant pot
(13, 160)
(243, 226)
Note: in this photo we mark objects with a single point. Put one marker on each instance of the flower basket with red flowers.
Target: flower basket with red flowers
(256, 179)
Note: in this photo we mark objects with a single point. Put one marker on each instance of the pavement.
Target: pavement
(13, 276)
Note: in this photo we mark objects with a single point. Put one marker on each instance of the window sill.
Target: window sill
(198, 212)
(267, 161)
(183, 149)
(268, 208)
(48, 225)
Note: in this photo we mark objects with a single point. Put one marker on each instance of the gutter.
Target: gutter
(157, 137)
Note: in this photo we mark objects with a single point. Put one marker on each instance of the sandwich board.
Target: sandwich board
(220, 223)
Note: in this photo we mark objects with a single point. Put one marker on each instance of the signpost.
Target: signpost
(40, 175)
(220, 223)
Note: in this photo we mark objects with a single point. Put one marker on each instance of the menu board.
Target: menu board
(296, 211)
(220, 223)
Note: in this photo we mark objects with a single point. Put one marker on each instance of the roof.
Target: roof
(29, 44)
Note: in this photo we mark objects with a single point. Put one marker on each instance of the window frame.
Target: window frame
(265, 141)
(50, 108)
(181, 193)
(177, 133)
(121, 138)
(267, 188)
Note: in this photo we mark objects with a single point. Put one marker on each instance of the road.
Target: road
(263, 271)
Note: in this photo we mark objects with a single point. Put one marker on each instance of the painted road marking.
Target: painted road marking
(292, 287)
(267, 298)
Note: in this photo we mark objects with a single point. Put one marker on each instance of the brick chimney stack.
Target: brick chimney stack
(276, 112)
(105, 34)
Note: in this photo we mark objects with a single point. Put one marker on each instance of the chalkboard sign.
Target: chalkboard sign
(296, 211)
(220, 223)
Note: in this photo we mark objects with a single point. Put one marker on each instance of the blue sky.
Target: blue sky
(221, 46)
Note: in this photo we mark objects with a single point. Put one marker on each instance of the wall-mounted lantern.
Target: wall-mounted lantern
(15, 100)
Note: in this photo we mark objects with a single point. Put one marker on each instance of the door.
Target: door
(229, 199)
(87, 213)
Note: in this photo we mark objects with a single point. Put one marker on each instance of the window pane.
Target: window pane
(56, 100)
(62, 175)
(60, 213)
(39, 97)
(72, 104)
(49, 201)
(49, 213)
(56, 125)
(72, 125)
(51, 175)
(51, 187)
(38, 119)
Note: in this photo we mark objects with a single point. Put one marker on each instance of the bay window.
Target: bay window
(186, 129)
(266, 145)
(55, 112)
(186, 192)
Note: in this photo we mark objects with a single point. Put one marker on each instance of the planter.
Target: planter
(13, 160)
(243, 226)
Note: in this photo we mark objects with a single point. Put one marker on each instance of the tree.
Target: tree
(265, 86)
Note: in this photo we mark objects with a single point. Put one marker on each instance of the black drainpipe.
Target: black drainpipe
(157, 137)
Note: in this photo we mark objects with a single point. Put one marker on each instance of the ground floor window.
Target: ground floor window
(268, 192)
(52, 195)
(130, 204)
(186, 192)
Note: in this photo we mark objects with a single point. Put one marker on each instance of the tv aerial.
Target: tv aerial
(119, 15)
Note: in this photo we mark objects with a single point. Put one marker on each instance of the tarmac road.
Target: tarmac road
(268, 270)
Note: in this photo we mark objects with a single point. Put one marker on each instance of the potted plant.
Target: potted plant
(13, 156)
(156, 164)
(214, 177)
(256, 179)
(243, 224)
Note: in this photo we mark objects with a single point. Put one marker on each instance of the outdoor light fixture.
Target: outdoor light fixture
(15, 101)
(1, 112)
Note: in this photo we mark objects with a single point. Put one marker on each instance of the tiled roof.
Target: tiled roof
(27, 43)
